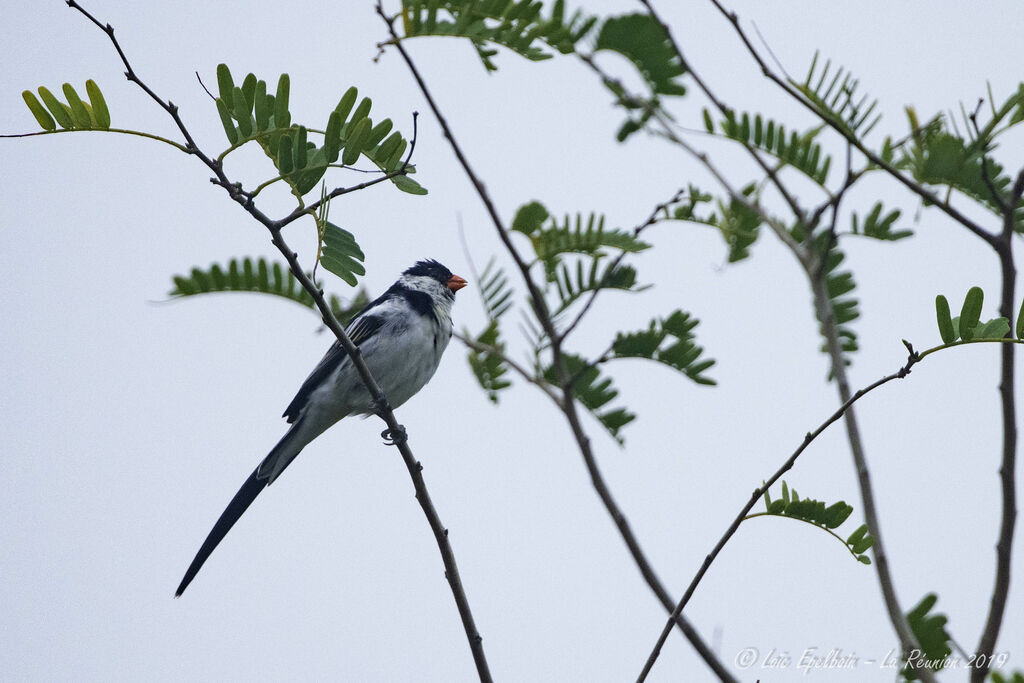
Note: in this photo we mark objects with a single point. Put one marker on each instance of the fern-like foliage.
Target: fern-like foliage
(490, 368)
(643, 41)
(939, 155)
(680, 352)
(522, 27)
(571, 287)
(799, 151)
(738, 223)
(250, 113)
(586, 236)
(946, 160)
(579, 235)
(1015, 677)
(580, 257)
(259, 276)
(517, 25)
(340, 254)
(74, 114)
(816, 513)
(594, 392)
(930, 632)
(838, 284)
(878, 226)
(833, 94)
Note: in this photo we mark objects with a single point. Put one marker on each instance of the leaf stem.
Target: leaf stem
(122, 131)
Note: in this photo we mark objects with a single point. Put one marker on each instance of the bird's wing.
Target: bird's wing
(361, 329)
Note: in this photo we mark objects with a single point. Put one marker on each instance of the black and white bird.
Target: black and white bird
(401, 336)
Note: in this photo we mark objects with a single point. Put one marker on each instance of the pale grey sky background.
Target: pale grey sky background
(130, 423)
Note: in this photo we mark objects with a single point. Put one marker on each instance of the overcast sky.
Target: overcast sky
(130, 422)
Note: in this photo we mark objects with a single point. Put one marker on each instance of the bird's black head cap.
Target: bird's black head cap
(430, 268)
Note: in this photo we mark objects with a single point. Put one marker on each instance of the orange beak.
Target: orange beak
(455, 283)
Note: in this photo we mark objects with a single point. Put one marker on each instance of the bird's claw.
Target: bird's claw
(394, 437)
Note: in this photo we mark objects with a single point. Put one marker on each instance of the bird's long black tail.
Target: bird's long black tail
(238, 505)
(290, 445)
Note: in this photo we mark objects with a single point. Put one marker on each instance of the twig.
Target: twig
(912, 359)
(726, 110)
(380, 401)
(909, 183)
(823, 304)
(122, 131)
(569, 407)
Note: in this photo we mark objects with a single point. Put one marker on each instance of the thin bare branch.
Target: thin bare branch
(823, 306)
(122, 131)
(1008, 466)
(913, 359)
(569, 403)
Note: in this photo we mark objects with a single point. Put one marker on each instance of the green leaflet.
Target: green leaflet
(817, 513)
(833, 94)
(250, 113)
(944, 320)
(76, 114)
(680, 352)
(970, 314)
(583, 236)
(879, 227)
(42, 116)
(529, 218)
(579, 235)
(80, 114)
(570, 289)
(838, 284)
(100, 113)
(799, 151)
(257, 275)
(968, 325)
(931, 635)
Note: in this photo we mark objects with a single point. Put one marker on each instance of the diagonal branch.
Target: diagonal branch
(569, 402)
(912, 359)
(726, 110)
(823, 306)
(380, 400)
(1007, 469)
